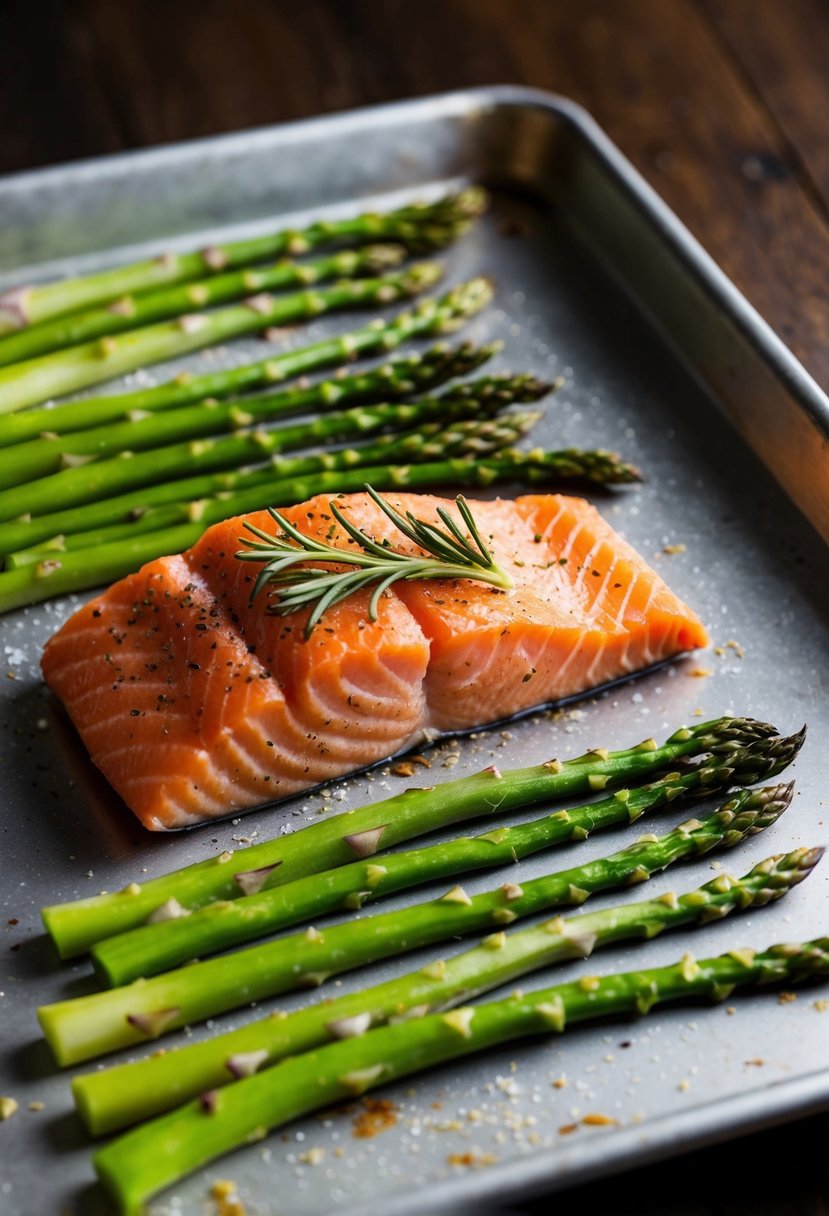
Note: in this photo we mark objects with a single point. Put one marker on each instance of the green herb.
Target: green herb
(451, 555)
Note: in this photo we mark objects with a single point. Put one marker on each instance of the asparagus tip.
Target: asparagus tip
(420, 276)
(726, 734)
(464, 301)
(472, 201)
(383, 257)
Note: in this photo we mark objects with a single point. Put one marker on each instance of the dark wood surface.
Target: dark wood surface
(722, 104)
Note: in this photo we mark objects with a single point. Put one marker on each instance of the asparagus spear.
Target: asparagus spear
(56, 575)
(233, 489)
(77, 925)
(393, 381)
(283, 477)
(131, 311)
(102, 478)
(428, 316)
(160, 945)
(136, 505)
(77, 367)
(88, 1026)
(153, 1156)
(419, 227)
(142, 1088)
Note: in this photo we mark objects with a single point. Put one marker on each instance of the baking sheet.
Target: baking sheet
(752, 567)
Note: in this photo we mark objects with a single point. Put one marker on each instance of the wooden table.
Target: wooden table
(722, 104)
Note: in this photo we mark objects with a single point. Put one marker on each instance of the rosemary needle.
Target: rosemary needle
(448, 554)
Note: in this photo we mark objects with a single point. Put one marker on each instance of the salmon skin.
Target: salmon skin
(195, 702)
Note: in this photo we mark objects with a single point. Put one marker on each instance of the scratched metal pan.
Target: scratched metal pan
(664, 360)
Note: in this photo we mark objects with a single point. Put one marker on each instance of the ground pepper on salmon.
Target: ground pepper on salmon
(237, 707)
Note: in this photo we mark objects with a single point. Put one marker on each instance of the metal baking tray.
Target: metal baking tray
(665, 360)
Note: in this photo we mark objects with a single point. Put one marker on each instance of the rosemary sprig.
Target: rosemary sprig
(451, 555)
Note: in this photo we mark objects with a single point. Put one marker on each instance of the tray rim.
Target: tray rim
(461, 101)
(742, 1113)
(625, 1148)
(783, 366)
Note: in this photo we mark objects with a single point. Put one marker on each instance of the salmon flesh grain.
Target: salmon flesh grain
(195, 702)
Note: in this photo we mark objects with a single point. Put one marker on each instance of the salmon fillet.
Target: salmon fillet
(195, 703)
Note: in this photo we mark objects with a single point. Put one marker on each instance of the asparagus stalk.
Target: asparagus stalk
(132, 311)
(278, 483)
(103, 478)
(141, 1089)
(153, 1156)
(159, 946)
(32, 583)
(393, 381)
(84, 1027)
(60, 526)
(419, 227)
(428, 316)
(281, 479)
(76, 926)
(77, 367)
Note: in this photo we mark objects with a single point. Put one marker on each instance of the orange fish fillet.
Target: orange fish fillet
(194, 702)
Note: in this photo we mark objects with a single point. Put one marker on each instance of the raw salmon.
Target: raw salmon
(195, 703)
